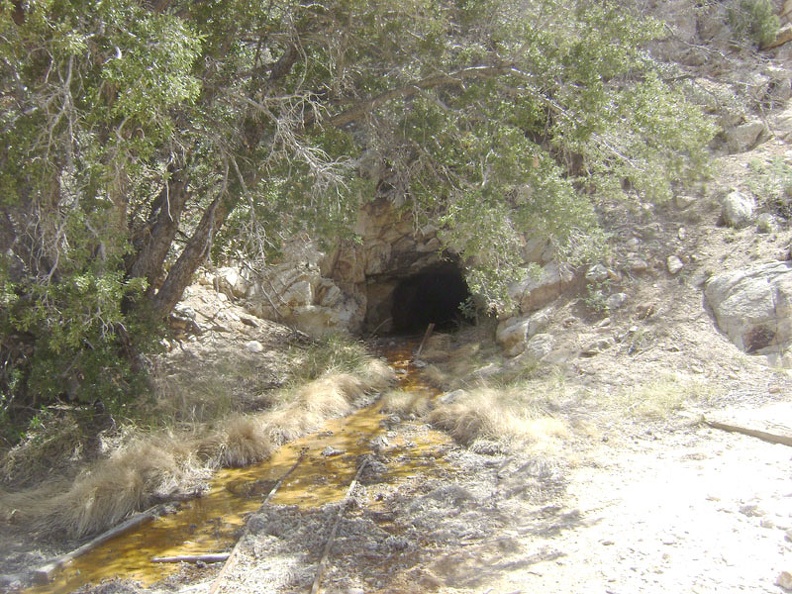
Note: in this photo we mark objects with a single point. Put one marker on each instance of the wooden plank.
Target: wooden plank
(233, 556)
(206, 558)
(44, 574)
(341, 509)
(771, 423)
(427, 334)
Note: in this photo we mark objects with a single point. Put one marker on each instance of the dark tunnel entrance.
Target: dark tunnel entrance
(433, 295)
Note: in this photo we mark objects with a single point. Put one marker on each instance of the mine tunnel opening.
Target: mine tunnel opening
(435, 295)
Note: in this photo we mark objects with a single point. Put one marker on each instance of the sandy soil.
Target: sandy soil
(672, 508)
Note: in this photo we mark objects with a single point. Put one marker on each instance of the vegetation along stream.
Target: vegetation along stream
(309, 472)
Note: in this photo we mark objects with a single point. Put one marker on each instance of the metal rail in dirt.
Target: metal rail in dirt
(234, 555)
(341, 509)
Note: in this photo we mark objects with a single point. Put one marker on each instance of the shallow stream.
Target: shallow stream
(322, 467)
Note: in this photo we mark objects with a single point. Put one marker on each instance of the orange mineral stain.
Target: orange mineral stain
(213, 522)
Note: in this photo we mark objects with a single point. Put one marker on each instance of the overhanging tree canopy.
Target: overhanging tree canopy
(142, 135)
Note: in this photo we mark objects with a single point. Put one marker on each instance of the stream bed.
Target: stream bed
(315, 470)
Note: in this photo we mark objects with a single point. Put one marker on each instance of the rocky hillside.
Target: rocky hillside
(688, 314)
(714, 256)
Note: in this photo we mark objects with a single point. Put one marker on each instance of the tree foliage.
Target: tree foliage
(143, 135)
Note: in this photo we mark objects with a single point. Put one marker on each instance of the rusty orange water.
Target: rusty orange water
(212, 523)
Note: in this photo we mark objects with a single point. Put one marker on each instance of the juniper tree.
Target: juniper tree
(142, 136)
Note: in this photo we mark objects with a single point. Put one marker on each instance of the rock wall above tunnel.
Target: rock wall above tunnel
(390, 248)
(361, 286)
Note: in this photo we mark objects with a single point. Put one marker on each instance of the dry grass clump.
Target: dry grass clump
(152, 469)
(495, 415)
(320, 399)
(405, 403)
(240, 441)
(332, 395)
(657, 399)
(132, 479)
(377, 375)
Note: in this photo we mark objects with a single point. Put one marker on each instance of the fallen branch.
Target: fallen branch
(44, 574)
(207, 558)
(763, 435)
(331, 538)
(234, 554)
(427, 334)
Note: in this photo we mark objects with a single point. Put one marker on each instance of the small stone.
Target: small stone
(184, 311)
(597, 347)
(785, 580)
(331, 451)
(248, 321)
(766, 223)
(379, 443)
(254, 346)
(451, 397)
(638, 265)
(616, 301)
(684, 201)
(738, 209)
(751, 511)
(539, 346)
(682, 234)
(674, 265)
(597, 273)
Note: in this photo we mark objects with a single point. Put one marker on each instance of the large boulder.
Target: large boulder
(302, 297)
(538, 290)
(514, 334)
(737, 209)
(234, 282)
(753, 306)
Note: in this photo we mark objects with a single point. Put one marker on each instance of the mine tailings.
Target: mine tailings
(309, 472)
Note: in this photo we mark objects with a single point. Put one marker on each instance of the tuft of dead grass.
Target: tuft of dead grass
(165, 465)
(132, 479)
(377, 375)
(495, 415)
(242, 441)
(657, 399)
(332, 395)
(405, 403)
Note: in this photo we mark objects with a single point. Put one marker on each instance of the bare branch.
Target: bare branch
(456, 78)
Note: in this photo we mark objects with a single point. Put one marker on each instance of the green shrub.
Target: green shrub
(771, 182)
(754, 20)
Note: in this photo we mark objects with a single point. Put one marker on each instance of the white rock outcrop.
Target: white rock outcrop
(737, 209)
(753, 306)
(514, 334)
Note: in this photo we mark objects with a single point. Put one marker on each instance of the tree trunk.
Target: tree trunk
(155, 239)
(194, 252)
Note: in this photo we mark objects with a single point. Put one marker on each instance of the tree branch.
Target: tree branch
(440, 80)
